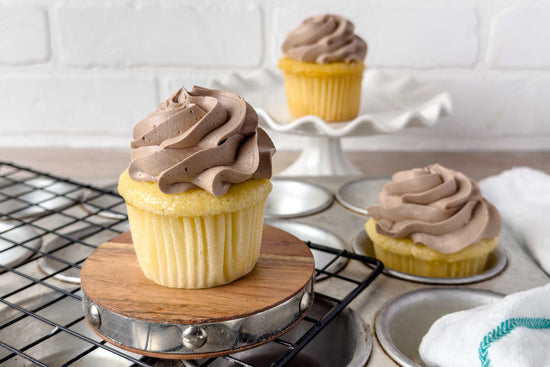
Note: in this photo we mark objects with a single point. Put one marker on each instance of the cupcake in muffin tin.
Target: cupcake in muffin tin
(433, 222)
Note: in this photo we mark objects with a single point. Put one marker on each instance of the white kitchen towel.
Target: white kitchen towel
(522, 196)
(513, 332)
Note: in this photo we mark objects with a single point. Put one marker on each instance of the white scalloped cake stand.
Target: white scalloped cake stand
(389, 104)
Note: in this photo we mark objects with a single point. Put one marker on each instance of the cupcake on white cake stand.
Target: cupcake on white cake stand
(389, 104)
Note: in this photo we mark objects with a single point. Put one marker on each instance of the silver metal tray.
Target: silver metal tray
(307, 232)
(346, 341)
(357, 195)
(496, 263)
(402, 323)
(291, 198)
(12, 255)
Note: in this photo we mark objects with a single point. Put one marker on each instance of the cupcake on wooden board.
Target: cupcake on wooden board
(196, 189)
(323, 68)
(433, 222)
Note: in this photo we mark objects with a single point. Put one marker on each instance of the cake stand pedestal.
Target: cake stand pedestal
(321, 156)
(132, 312)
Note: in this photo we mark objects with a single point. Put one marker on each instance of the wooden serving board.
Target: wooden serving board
(111, 278)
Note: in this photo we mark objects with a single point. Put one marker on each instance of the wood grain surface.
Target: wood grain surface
(111, 277)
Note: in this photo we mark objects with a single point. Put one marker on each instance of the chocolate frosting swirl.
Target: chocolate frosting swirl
(324, 39)
(204, 138)
(435, 206)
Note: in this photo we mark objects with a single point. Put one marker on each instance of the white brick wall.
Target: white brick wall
(24, 35)
(520, 37)
(82, 73)
(150, 35)
(425, 36)
(75, 105)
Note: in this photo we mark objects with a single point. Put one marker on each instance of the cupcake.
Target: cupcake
(196, 189)
(433, 222)
(323, 68)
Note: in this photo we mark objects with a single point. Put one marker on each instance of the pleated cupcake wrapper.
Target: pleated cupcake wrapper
(197, 252)
(333, 98)
(441, 269)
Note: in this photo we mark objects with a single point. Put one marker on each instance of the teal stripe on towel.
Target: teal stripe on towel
(504, 329)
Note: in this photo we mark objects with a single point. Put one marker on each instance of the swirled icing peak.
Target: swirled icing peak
(438, 207)
(204, 138)
(324, 39)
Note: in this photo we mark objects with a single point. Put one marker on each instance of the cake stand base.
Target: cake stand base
(322, 156)
(130, 311)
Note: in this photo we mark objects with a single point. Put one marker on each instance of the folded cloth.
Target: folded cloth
(514, 331)
(522, 196)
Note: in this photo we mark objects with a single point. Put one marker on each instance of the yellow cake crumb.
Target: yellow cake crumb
(313, 69)
(194, 202)
(407, 247)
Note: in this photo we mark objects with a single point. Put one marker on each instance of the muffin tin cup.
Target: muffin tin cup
(496, 263)
(103, 201)
(292, 198)
(11, 234)
(68, 250)
(347, 334)
(402, 322)
(358, 194)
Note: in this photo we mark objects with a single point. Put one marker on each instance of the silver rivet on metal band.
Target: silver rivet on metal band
(194, 337)
(95, 318)
(304, 302)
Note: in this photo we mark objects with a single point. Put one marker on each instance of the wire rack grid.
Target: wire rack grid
(41, 320)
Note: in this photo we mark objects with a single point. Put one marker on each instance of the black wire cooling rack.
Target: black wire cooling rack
(48, 226)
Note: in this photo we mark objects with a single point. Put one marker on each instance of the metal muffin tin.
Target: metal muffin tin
(291, 198)
(13, 233)
(307, 232)
(357, 195)
(496, 263)
(347, 334)
(521, 273)
(402, 323)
